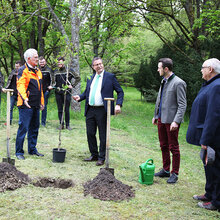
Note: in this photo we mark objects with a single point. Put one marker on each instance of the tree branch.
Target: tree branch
(59, 25)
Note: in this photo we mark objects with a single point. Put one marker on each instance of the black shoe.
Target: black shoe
(173, 178)
(37, 154)
(162, 173)
(20, 157)
(207, 205)
(91, 158)
(69, 128)
(201, 198)
(100, 162)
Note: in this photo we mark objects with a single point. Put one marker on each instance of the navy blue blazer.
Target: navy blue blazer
(109, 85)
(204, 124)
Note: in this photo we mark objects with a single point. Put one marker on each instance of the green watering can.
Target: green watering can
(147, 172)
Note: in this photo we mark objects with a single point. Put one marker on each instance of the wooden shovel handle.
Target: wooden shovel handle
(111, 99)
(108, 129)
(8, 120)
(8, 90)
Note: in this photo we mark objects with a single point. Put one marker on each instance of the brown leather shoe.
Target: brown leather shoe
(91, 158)
(100, 162)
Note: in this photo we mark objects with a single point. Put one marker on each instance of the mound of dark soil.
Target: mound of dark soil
(106, 187)
(56, 183)
(11, 178)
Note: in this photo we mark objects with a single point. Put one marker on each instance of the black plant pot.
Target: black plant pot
(59, 155)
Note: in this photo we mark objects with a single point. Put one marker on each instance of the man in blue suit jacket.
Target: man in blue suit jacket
(204, 130)
(101, 85)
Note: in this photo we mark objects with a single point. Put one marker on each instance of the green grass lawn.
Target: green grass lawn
(133, 140)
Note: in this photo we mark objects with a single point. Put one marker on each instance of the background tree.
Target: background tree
(126, 34)
(183, 17)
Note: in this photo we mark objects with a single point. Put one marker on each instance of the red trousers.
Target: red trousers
(169, 142)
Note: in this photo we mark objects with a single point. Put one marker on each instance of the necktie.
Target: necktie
(92, 99)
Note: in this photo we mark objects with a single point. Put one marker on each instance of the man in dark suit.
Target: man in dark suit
(204, 131)
(101, 85)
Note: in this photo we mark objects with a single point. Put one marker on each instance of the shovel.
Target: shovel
(8, 159)
(108, 135)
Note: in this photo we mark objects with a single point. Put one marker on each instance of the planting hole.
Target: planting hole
(51, 182)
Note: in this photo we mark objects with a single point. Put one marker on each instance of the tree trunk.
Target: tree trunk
(75, 50)
(40, 38)
(73, 45)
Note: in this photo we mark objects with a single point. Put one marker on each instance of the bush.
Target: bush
(147, 80)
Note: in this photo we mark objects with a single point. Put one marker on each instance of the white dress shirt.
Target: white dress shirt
(98, 97)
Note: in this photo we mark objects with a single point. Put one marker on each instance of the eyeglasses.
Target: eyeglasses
(203, 67)
(98, 64)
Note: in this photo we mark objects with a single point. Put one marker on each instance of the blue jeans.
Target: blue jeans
(44, 112)
(28, 122)
(13, 103)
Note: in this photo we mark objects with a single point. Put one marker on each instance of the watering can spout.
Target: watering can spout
(141, 177)
(147, 172)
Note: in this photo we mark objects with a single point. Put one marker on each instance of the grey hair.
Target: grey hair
(29, 53)
(214, 63)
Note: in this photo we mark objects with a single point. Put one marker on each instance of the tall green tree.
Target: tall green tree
(103, 29)
(190, 21)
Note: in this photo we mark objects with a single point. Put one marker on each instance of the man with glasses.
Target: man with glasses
(30, 101)
(101, 85)
(204, 131)
(169, 112)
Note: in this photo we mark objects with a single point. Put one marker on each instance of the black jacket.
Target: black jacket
(12, 82)
(61, 79)
(47, 77)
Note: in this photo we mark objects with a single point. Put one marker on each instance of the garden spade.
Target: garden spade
(8, 159)
(108, 135)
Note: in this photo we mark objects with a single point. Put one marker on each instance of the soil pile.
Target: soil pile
(11, 178)
(106, 187)
(56, 183)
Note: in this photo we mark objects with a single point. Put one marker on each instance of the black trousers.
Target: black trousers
(96, 117)
(60, 103)
(212, 187)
